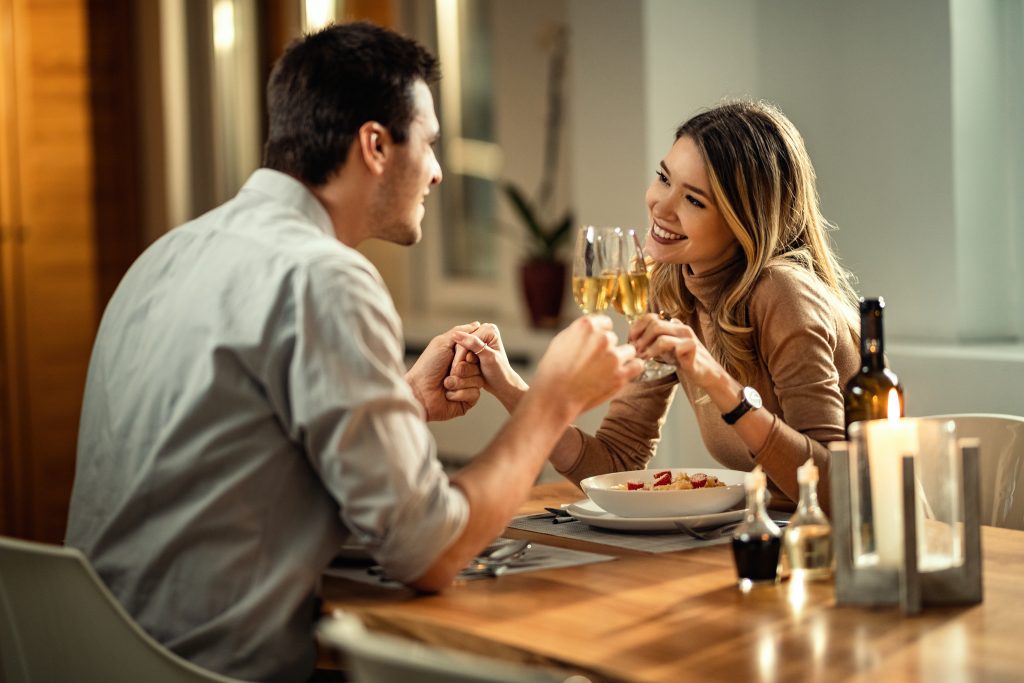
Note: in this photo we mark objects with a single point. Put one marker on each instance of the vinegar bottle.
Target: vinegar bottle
(866, 395)
(808, 537)
(757, 540)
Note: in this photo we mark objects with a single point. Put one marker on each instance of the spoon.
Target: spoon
(502, 553)
(494, 561)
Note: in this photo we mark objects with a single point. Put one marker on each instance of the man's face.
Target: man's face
(398, 210)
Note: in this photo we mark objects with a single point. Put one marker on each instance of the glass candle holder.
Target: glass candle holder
(877, 448)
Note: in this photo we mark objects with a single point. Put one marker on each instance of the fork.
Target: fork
(716, 532)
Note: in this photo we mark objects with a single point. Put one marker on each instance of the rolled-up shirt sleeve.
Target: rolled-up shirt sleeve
(360, 424)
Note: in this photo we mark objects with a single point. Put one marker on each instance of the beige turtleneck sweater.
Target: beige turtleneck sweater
(805, 354)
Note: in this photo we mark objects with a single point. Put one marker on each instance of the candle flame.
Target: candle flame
(894, 406)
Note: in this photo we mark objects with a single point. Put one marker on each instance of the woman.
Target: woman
(762, 318)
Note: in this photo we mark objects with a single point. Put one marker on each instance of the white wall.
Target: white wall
(908, 136)
(884, 96)
(986, 138)
(608, 111)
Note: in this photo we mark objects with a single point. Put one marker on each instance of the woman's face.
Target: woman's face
(686, 225)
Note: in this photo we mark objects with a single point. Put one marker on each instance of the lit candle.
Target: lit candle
(888, 441)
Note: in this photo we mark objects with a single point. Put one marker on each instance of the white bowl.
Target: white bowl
(674, 503)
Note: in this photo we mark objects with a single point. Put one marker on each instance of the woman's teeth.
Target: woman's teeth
(665, 235)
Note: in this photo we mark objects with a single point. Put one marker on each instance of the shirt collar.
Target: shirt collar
(286, 190)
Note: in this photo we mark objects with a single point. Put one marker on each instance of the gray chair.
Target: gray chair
(1002, 464)
(58, 622)
(379, 658)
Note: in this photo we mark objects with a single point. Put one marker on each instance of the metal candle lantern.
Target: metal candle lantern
(905, 513)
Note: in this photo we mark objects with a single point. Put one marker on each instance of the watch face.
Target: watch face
(752, 397)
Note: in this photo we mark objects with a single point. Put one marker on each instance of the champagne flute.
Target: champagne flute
(633, 294)
(594, 268)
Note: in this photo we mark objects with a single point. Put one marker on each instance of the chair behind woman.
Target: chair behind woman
(1002, 464)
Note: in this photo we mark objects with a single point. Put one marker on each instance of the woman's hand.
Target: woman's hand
(445, 384)
(483, 345)
(674, 340)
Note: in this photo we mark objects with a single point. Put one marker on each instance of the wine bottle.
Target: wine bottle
(867, 394)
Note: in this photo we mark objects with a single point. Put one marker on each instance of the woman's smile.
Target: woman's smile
(660, 234)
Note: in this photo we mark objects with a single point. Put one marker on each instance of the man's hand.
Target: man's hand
(484, 344)
(445, 387)
(584, 366)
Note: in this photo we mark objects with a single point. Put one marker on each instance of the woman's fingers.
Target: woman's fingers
(647, 331)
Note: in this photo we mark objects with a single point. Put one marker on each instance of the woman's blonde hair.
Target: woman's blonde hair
(763, 183)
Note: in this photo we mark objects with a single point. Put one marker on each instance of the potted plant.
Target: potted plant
(543, 273)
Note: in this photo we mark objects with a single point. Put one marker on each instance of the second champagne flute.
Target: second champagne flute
(633, 294)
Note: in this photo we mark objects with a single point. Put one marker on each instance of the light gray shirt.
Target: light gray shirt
(246, 411)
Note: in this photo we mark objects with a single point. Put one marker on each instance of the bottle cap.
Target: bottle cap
(807, 473)
(871, 304)
(755, 479)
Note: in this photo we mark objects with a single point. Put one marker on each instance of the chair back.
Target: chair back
(58, 622)
(379, 658)
(1002, 464)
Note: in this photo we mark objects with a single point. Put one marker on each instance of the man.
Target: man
(247, 409)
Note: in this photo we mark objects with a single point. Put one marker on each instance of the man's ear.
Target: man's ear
(375, 145)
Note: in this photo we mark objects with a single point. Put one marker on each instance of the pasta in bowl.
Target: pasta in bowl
(665, 493)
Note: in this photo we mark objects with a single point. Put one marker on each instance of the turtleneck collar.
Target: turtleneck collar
(707, 287)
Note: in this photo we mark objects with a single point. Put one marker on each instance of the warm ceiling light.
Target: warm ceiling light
(223, 25)
(319, 13)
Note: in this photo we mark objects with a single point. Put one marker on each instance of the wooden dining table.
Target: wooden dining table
(680, 616)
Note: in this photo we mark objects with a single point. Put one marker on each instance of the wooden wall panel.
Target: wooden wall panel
(53, 296)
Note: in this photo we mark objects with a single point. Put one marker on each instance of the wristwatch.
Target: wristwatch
(749, 400)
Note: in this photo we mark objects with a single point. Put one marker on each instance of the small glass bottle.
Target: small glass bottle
(808, 538)
(756, 542)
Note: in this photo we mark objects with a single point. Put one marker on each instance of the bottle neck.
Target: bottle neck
(872, 341)
(808, 497)
(756, 504)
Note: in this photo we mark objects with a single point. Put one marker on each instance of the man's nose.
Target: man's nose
(435, 174)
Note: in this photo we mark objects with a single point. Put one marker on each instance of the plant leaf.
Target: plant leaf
(525, 210)
(561, 231)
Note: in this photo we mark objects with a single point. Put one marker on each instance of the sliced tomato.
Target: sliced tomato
(699, 480)
(662, 478)
(634, 485)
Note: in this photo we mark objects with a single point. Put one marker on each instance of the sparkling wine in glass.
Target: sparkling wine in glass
(633, 293)
(594, 269)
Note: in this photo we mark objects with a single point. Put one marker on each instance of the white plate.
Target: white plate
(660, 503)
(588, 512)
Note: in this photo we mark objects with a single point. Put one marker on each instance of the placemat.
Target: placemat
(644, 541)
(540, 556)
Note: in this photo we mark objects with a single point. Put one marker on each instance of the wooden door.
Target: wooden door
(48, 297)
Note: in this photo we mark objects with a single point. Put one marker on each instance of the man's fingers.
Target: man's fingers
(453, 383)
(465, 369)
(596, 321)
(470, 396)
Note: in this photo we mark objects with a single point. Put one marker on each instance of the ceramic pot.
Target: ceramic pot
(544, 289)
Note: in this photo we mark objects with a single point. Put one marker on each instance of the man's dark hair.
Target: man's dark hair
(328, 84)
